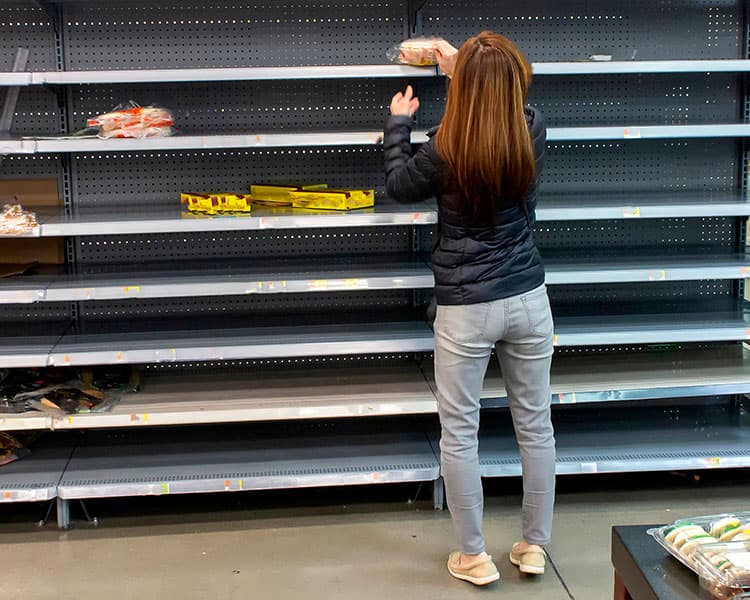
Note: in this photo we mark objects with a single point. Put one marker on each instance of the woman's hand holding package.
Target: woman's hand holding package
(446, 57)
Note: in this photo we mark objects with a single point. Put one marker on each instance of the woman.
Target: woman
(483, 166)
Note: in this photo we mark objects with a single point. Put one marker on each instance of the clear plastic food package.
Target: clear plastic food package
(130, 120)
(697, 542)
(724, 568)
(418, 52)
(15, 221)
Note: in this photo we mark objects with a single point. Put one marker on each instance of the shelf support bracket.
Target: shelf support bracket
(11, 95)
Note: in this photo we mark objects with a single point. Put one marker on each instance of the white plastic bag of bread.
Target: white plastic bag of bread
(716, 547)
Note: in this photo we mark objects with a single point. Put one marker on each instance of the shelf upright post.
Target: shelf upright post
(64, 95)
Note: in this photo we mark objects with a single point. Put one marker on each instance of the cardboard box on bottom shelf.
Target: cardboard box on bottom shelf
(17, 255)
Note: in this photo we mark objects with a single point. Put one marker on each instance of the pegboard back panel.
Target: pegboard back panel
(251, 245)
(32, 313)
(577, 29)
(129, 35)
(662, 235)
(251, 310)
(24, 24)
(684, 99)
(36, 166)
(636, 166)
(37, 112)
(610, 299)
(362, 104)
(157, 178)
(260, 106)
(282, 365)
(641, 166)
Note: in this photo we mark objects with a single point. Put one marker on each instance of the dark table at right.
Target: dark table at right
(645, 571)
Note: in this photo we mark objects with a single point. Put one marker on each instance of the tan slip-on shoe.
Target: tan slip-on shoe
(531, 561)
(480, 571)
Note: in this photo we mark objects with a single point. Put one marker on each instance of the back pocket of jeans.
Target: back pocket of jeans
(538, 312)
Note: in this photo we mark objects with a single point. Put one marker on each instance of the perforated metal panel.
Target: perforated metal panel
(263, 365)
(37, 113)
(616, 100)
(135, 34)
(657, 296)
(649, 236)
(576, 29)
(317, 105)
(251, 307)
(641, 167)
(48, 311)
(157, 178)
(35, 166)
(213, 34)
(25, 25)
(253, 245)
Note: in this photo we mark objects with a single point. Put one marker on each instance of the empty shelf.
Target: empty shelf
(654, 268)
(183, 462)
(340, 275)
(16, 79)
(232, 344)
(224, 74)
(551, 207)
(349, 138)
(24, 289)
(355, 72)
(630, 440)
(28, 344)
(641, 67)
(286, 277)
(35, 477)
(138, 219)
(212, 141)
(308, 393)
(635, 376)
(648, 328)
(647, 132)
(588, 206)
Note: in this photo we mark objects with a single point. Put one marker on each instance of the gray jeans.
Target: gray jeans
(520, 329)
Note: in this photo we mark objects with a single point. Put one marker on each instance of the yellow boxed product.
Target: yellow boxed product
(331, 199)
(216, 203)
(278, 195)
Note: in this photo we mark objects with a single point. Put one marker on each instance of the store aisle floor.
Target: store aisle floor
(307, 546)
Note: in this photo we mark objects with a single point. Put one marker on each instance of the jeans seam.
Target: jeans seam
(485, 319)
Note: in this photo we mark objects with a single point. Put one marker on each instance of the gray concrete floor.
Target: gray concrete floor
(310, 546)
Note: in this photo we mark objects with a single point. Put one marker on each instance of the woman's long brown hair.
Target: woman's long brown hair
(483, 137)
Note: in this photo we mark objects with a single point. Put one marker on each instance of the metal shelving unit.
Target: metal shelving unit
(351, 275)
(673, 438)
(159, 463)
(35, 478)
(182, 345)
(381, 391)
(642, 211)
(262, 139)
(585, 206)
(109, 221)
(202, 75)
